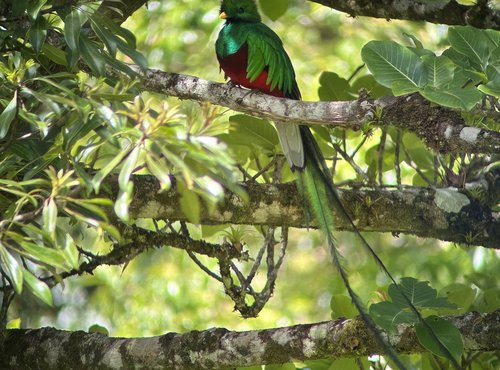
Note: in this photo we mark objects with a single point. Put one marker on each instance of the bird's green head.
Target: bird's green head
(239, 10)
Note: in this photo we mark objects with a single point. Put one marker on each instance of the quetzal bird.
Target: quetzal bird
(252, 55)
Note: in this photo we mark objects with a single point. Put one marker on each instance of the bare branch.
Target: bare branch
(219, 348)
(441, 128)
(141, 240)
(480, 15)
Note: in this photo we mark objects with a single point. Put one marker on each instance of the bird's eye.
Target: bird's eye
(241, 10)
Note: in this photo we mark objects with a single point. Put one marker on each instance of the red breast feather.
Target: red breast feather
(235, 68)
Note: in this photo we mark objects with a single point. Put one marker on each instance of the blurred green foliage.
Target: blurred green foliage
(65, 127)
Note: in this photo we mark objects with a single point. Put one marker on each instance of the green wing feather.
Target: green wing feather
(265, 50)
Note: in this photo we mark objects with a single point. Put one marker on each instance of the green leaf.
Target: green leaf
(13, 268)
(123, 201)
(38, 33)
(491, 88)
(333, 87)
(91, 55)
(493, 36)
(69, 250)
(72, 28)
(38, 288)
(103, 172)
(14, 324)
(342, 306)
(50, 216)
(96, 328)
(471, 43)
(34, 7)
(54, 54)
(460, 294)
(440, 70)
(115, 29)
(348, 364)
(158, 168)
(7, 116)
(420, 294)
(274, 9)
(389, 315)
(128, 167)
(459, 98)
(467, 2)
(368, 83)
(249, 130)
(488, 301)
(109, 38)
(49, 256)
(447, 333)
(287, 366)
(394, 66)
(136, 56)
(190, 205)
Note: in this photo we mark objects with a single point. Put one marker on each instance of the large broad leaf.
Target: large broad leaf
(464, 99)
(460, 294)
(440, 70)
(370, 85)
(333, 87)
(394, 66)
(447, 333)
(419, 293)
(491, 88)
(389, 315)
(472, 43)
(493, 36)
(342, 306)
(274, 9)
(253, 131)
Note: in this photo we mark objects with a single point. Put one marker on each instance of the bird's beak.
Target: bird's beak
(223, 15)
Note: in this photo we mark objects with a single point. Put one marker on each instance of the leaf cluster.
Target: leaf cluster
(463, 75)
(68, 129)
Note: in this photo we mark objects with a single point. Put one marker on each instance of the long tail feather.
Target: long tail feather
(316, 183)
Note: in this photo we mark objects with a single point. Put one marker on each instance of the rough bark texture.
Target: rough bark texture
(218, 348)
(441, 128)
(481, 15)
(445, 214)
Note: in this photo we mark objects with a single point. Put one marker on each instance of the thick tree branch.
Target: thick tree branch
(481, 15)
(441, 128)
(219, 348)
(444, 214)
